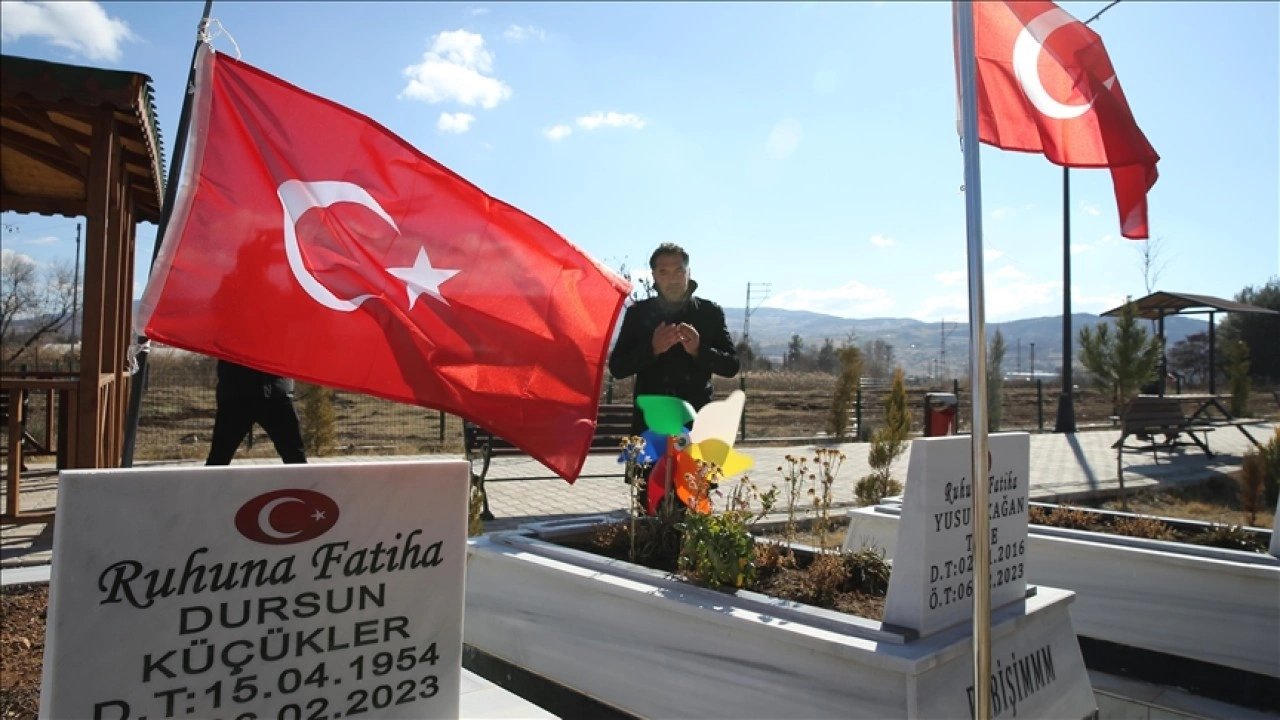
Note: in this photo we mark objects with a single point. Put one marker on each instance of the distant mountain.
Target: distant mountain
(918, 345)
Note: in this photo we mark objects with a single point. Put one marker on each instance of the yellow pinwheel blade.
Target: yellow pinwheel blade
(714, 450)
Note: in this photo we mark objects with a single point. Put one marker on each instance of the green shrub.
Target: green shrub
(318, 418)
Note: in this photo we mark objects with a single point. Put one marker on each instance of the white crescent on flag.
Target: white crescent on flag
(298, 197)
(1026, 61)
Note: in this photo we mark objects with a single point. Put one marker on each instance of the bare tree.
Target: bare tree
(34, 301)
(1151, 258)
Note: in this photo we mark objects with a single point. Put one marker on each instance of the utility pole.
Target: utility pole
(943, 332)
(1033, 361)
(75, 294)
(1019, 354)
(757, 293)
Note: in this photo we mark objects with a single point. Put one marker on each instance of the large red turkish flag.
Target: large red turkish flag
(311, 242)
(1046, 85)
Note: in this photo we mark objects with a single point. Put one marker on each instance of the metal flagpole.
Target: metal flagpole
(977, 366)
(1066, 421)
(170, 196)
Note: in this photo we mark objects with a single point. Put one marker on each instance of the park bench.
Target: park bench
(1150, 415)
(613, 424)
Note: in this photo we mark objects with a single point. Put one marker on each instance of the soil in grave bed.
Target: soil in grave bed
(853, 583)
(22, 617)
(1215, 500)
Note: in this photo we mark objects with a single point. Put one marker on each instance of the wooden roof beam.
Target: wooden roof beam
(41, 119)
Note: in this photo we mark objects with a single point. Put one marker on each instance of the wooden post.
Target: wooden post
(14, 431)
(104, 160)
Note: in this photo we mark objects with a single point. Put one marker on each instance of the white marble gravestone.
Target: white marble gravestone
(1274, 549)
(288, 591)
(931, 587)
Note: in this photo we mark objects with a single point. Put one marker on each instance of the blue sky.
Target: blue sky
(810, 146)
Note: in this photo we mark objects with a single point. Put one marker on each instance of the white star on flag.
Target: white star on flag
(422, 278)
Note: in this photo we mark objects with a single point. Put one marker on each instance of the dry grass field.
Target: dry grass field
(178, 407)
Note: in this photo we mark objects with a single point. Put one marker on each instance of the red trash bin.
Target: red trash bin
(939, 414)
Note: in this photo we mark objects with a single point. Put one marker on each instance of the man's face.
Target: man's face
(671, 277)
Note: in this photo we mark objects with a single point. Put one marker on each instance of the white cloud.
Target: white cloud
(84, 28)
(1008, 272)
(559, 132)
(1014, 298)
(883, 241)
(516, 33)
(1008, 295)
(853, 299)
(951, 305)
(784, 139)
(480, 11)
(457, 68)
(989, 254)
(1007, 292)
(455, 122)
(1005, 212)
(1077, 248)
(1091, 209)
(610, 119)
(1097, 304)
(46, 240)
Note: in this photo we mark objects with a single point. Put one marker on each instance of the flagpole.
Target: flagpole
(166, 211)
(977, 366)
(1066, 420)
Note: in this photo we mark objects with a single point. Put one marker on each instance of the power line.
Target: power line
(1098, 14)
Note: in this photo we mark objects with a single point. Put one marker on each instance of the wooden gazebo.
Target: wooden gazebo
(81, 141)
(1159, 305)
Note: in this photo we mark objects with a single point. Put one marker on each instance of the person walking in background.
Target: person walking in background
(246, 396)
(675, 342)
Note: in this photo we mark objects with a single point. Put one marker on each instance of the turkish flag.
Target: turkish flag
(311, 242)
(1046, 85)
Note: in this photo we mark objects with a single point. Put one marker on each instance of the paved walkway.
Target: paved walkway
(1063, 467)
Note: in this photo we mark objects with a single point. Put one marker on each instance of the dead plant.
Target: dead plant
(1146, 527)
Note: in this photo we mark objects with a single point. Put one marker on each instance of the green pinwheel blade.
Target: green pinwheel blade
(664, 414)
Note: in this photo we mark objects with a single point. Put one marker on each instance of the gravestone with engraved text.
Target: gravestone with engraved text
(286, 591)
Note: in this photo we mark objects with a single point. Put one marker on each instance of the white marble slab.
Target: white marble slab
(482, 700)
(932, 583)
(294, 590)
(655, 647)
(1275, 532)
(1217, 606)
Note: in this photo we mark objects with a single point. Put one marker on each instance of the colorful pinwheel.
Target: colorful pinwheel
(675, 450)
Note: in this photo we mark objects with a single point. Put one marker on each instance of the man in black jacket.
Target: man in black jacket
(674, 342)
(246, 396)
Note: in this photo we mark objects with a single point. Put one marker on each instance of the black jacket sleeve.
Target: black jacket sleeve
(716, 352)
(634, 350)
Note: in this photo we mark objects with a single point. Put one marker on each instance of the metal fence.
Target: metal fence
(178, 407)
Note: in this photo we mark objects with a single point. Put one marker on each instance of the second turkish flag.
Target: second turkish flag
(1046, 85)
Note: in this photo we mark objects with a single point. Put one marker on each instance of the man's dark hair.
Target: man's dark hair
(667, 249)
